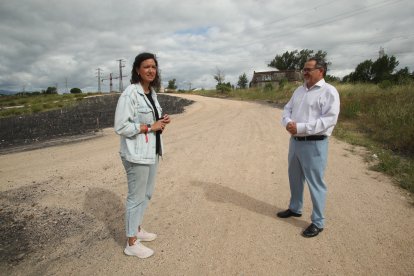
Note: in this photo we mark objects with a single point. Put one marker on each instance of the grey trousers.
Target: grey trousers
(307, 161)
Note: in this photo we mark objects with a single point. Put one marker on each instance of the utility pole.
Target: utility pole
(66, 83)
(120, 75)
(99, 79)
(189, 84)
(111, 77)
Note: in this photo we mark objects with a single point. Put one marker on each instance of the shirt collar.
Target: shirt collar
(320, 83)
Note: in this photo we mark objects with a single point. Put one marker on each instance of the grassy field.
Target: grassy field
(379, 119)
(14, 105)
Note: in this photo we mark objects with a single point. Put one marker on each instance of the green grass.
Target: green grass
(14, 105)
(378, 118)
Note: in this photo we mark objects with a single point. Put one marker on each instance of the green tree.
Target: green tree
(380, 70)
(383, 68)
(224, 87)
(363, 72)
(286, 61)
(331, 78)
(242, 83)
(171, 84)
(403, 76)
(50, 90)
(221, 86)
(295, 60)
(75, 91)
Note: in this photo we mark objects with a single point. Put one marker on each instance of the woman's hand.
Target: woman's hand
(166, 119)
(158, 125)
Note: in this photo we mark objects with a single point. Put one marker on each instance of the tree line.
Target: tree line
(48, 91)
(381, 71)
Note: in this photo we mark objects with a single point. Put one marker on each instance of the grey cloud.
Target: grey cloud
(46, 42)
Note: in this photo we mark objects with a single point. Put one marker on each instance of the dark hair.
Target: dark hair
(320, 63)
(135, 78)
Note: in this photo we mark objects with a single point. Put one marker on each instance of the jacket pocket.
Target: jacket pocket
(145, 115)
(141, 147)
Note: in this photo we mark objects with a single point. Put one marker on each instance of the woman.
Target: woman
(139, 122)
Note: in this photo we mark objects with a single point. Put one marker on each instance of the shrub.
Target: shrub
(11, 112)
(75, 91)
(268, 87)
(350, 109)
(48, 105)
(50, 90)
(223, 87)
(391, 121)
(385, 84)
(282, 83)
(37, 108)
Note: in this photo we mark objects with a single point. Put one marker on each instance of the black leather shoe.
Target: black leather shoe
(312, 231)
(288, 213)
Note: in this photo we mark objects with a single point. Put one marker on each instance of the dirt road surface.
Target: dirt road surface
(220, 184)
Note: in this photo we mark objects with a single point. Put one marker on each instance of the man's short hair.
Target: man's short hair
(320, 63)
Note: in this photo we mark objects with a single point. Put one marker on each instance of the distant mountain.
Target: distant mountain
(7, 92)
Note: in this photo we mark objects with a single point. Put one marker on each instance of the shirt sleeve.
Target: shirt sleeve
(124, 117)
(330, 105)
(287, 111)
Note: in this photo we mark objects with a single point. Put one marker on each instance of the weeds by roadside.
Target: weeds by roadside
(15, 105)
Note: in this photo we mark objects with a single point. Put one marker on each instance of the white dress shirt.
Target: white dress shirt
(315, 110)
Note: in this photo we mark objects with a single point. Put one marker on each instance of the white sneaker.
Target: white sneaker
(145, 236)
(139, 250)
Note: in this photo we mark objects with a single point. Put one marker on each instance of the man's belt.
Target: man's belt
(310, 138)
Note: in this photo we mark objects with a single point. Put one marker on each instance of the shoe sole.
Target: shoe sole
(146, 240)
(126, 252)
(293, 215)
(308, 236)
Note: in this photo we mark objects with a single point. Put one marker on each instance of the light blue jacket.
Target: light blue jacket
(133, 109)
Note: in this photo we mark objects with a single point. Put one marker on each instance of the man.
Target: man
(310, 116)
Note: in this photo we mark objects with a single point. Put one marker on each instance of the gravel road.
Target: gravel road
(220, 184)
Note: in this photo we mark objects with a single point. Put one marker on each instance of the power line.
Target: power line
(294, 30)
(316, 23)
(325, 4)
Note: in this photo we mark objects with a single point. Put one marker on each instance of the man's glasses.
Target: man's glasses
(307, 70)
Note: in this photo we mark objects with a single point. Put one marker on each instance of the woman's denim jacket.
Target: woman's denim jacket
(132, 110)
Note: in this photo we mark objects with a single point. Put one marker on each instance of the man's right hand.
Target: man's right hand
(291, 128)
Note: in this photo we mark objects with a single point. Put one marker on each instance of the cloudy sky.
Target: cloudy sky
(48, 42)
